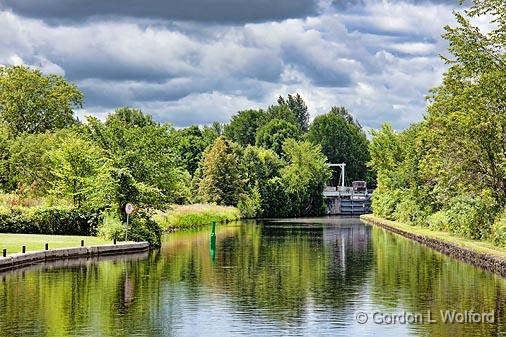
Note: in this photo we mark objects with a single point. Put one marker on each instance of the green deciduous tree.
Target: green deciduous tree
(80, 172)
(342, 141)
(189, 144)
(243, 126)
(448, 171)
(144, 153)
(273, 134)
(32, 102)
(29, 162)
(299, 109)
(131, 117)
(305, 176)
(223, 176)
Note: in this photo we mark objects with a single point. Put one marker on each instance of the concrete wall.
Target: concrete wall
(19, 260)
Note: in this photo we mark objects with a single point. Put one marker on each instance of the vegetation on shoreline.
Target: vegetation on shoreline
(475, 245)
(82, 173)
(448, 172)
(196, 215)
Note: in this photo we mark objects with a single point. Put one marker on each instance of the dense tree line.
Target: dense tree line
(269, 162)
(449, 171)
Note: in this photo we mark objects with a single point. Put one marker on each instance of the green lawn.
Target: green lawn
(14, 242)
(479, 246)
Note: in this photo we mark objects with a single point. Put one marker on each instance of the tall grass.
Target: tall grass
(190, 216)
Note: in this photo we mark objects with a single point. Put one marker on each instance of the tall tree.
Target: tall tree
(80, 172)
(189, 144)
(342, 141)
(243, 126)
(305, 176)
(299, 109)
(131, 117)
(273, 134)
(32, 102)
(145, 153)
(223, 177)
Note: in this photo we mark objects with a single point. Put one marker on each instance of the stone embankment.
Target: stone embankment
(20, 260)
(491, 263)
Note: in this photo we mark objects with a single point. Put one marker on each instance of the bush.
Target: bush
(384, 202)
(408, 211)
(57, 220)
(499, 230)
(439, 221)
(471, 216)
(111, 227)
(250, 204)
(140, 228)
(144, 228)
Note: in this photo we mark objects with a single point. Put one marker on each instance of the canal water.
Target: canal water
(304, 277)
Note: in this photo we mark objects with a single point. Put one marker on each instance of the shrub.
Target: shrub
(472, 216)
(384, 202)
(56, 220)
(439, 221)
(408, 211)
(144, 228)
(250, 204)
(498, 234)
(111, 226)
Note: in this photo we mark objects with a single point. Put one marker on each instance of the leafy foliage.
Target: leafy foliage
(59, 220)
(342, 141)
(142, 157)
(80, 172)
(222, 175)
(243, 126)
(305, 176)
(273, 134)
(189, 144)
(448, 171)
(32, 102)
(298, 107)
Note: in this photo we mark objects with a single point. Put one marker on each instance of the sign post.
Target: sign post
(129, 208)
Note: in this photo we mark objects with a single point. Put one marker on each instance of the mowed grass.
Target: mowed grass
(479, 246)
(33, 242)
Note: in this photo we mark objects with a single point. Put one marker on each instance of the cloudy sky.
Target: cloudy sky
(199, 61)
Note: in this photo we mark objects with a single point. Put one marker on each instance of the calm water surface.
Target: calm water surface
(306, 277)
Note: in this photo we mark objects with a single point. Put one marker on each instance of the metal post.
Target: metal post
(342, 174)
(47, 246)
(4, 253)
(82, 243)
(212, 247)
(23, 249)
(126, 229)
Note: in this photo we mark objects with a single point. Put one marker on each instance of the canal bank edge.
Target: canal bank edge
(20, 260)
(488, 261)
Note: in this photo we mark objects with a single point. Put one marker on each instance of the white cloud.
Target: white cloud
(379, 61)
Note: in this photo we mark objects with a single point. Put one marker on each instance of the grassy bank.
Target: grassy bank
(33, 242)
(191, 216)
(477, 246)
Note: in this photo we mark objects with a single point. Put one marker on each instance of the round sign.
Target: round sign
(129, 208)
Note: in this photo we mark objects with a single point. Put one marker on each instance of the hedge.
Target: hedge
(58, 220)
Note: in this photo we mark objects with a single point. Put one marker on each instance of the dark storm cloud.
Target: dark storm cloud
(199, 61)
(342, 4)
(221, 11)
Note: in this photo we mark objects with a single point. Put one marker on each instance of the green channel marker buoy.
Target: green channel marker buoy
(212, 248)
